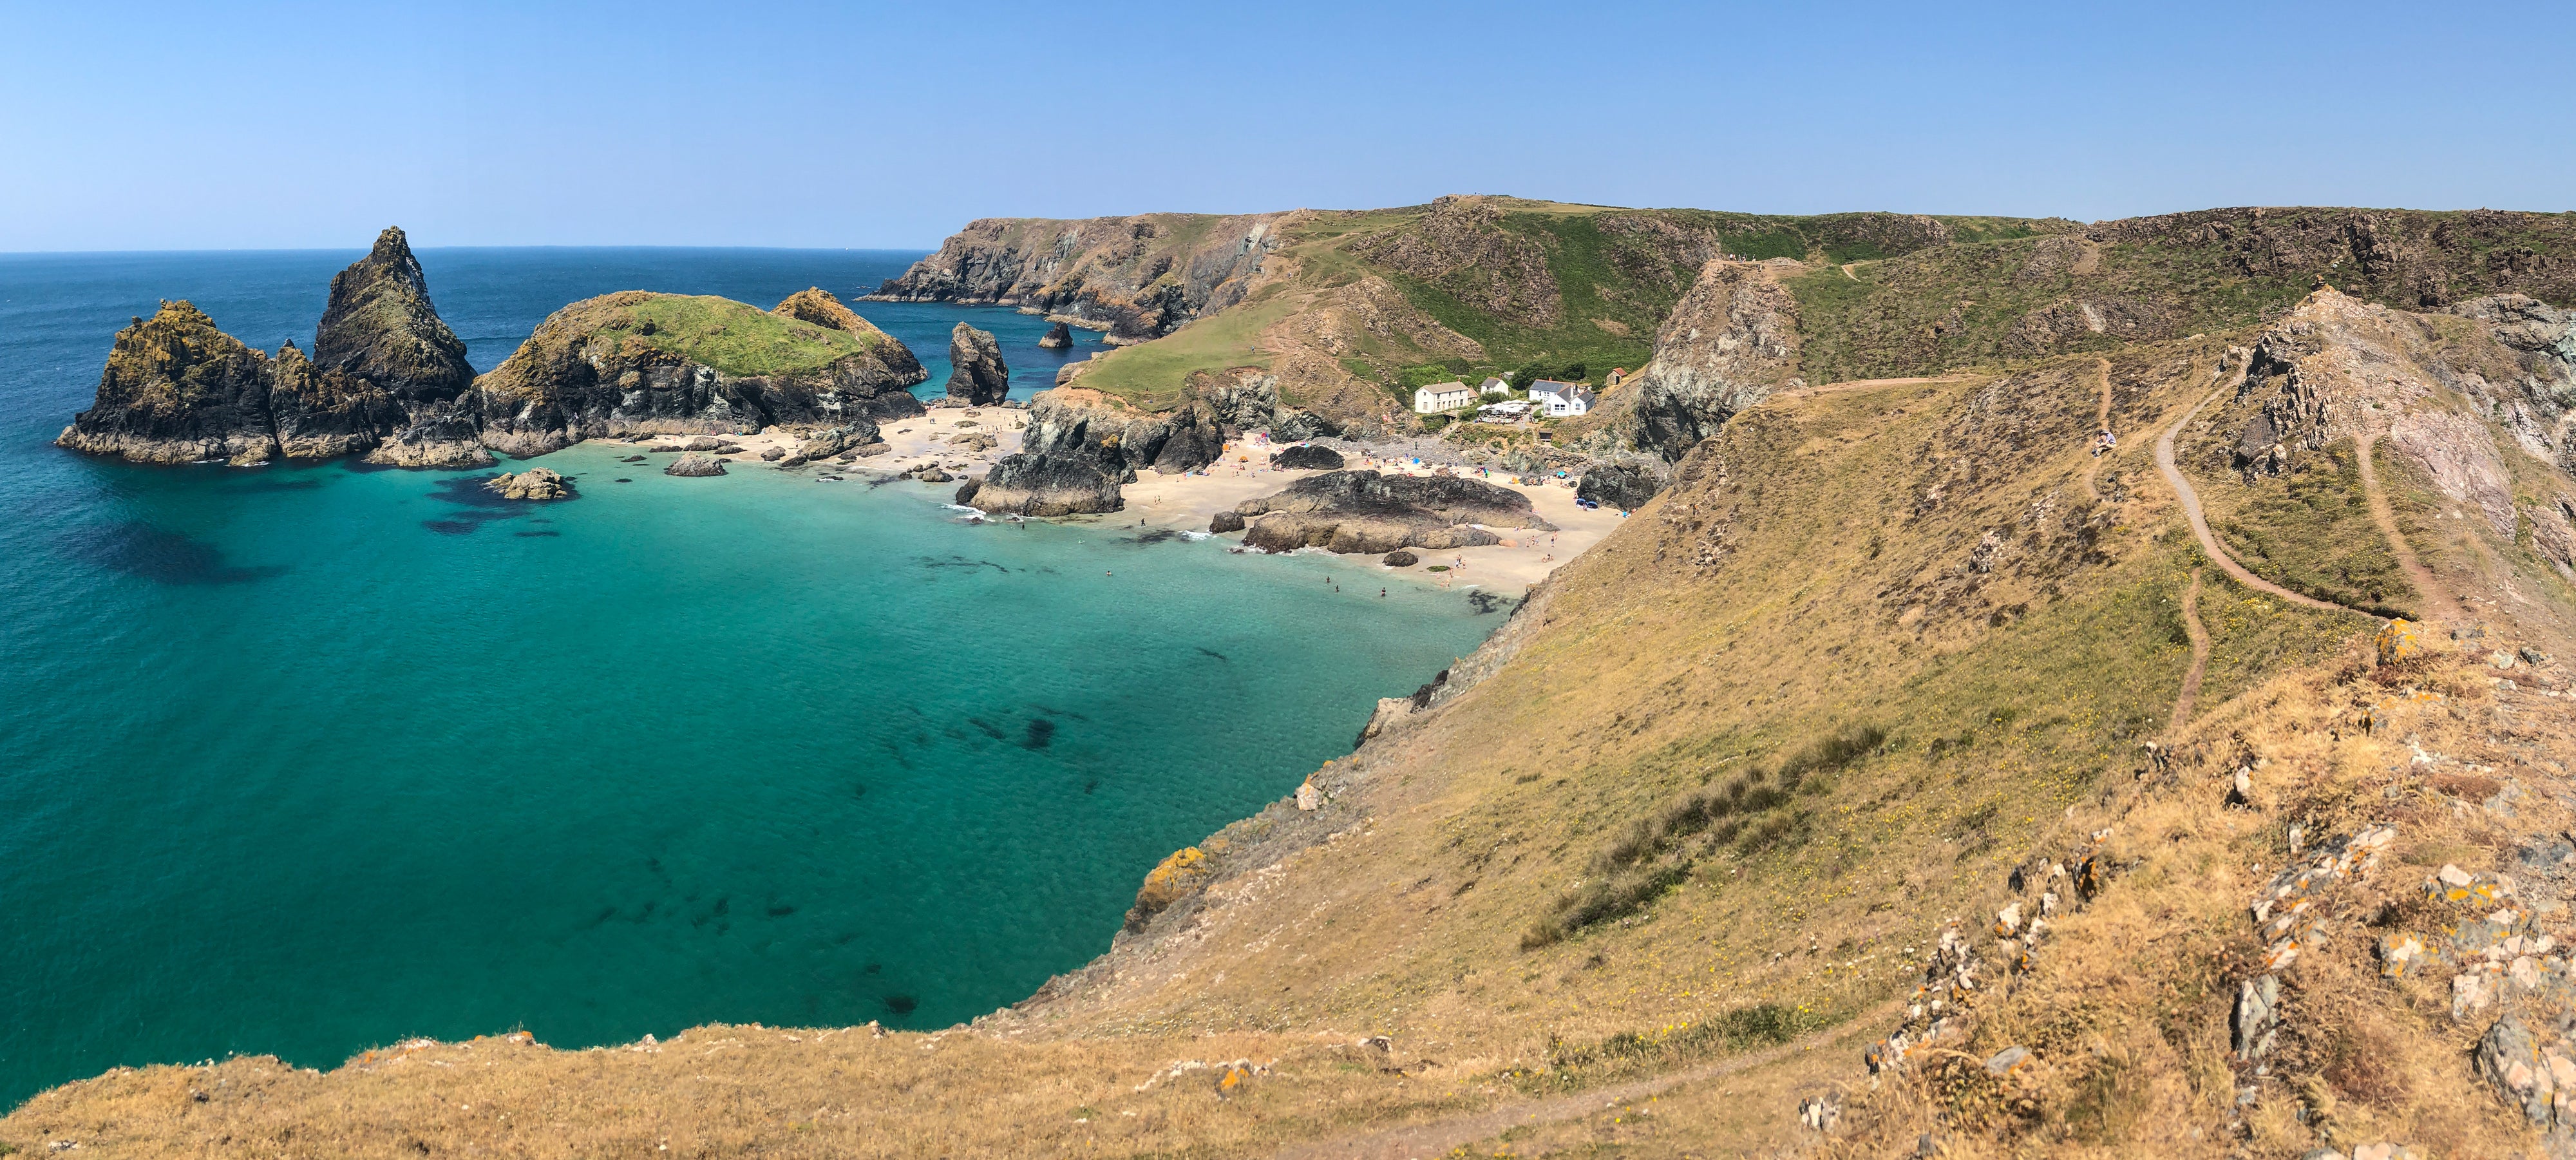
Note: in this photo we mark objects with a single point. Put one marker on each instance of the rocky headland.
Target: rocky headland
(977, 375)
(1138, 277)
(1366, 512)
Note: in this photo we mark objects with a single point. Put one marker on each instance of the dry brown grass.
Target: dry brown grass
(1917, 558)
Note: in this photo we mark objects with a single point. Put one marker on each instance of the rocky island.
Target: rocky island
(389, 380)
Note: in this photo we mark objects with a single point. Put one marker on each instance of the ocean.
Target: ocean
(305, 759)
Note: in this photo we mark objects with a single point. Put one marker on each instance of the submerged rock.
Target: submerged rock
(536, 483)
(695, 463)
(977, 374)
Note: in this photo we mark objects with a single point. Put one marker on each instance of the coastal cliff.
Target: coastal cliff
(1138, 277)
(637, 362)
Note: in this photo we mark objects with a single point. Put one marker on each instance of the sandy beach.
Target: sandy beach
(1187, 502)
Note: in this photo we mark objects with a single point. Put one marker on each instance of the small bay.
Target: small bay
(309, 758)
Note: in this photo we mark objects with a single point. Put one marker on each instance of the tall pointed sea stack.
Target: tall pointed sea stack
(381, 329)
(976, 372)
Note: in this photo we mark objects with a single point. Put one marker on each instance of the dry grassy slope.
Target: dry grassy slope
(1921, 559)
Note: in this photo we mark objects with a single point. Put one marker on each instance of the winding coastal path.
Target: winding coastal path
(2199, 655)
(2384, 514)
(2101, 423)
(2200, 521)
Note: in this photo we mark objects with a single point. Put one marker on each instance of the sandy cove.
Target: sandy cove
(1187, 502)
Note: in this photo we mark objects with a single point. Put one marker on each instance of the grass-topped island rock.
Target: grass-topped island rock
(636, 362)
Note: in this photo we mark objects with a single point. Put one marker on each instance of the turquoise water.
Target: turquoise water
(302, 760)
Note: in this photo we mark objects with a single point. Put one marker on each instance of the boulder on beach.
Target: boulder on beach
(1363, 512)
(773, 455)
(1400, 558)
(1307, 458)
(695, 463)
(1224, 522)
(536, 483)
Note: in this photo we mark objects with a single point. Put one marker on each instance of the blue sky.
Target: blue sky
(145, 126)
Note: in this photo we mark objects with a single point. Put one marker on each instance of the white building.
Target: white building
(1561, 400)
(1438, 397)
(1493, 386)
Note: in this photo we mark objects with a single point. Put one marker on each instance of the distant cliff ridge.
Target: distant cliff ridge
(1142, 277)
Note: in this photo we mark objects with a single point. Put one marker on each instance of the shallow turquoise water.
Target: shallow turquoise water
(307, 759)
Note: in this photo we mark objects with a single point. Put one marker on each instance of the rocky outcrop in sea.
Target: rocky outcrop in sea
(177, 389)
(1365, 512)
(976, 372)
(1057, 338)
(389, 380)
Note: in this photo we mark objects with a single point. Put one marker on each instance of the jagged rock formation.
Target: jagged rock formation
(1365, 512)
(318, 413)
(1730, 342)
(2538, 404)
(177, 390)
(380, 326)
(1143, 276)
(1057, 337)
(1082, 445)
(976, 372)
(637, 362)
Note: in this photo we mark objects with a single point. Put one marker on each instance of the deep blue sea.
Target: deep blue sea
(306, 759)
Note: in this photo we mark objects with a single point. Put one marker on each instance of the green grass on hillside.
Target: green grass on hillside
(2310, 531)
(736, 338)
(1152, 374)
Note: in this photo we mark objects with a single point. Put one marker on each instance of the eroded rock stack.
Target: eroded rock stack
(976, 372)
(1082, 445)
(1057, 338)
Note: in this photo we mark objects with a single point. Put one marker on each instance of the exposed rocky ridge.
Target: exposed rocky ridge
(1365, 512)
(977, 373)
(1730, 342)
(619, 365)
(1143, 276)
(379, 326)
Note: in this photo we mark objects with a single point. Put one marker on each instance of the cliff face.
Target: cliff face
(1142, 277)
(636, 362)
(977, 373)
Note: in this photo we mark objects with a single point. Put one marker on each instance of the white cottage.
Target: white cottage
(1561, 400)
(1493, 386)
(1438, 397)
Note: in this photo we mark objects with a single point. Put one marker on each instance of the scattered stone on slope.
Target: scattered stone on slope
(977, 374)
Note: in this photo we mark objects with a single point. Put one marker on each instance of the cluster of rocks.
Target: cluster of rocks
(1365, 512)
(389, 380)
(1083, 445)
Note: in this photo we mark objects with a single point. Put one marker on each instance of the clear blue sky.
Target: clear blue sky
(151, 126)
